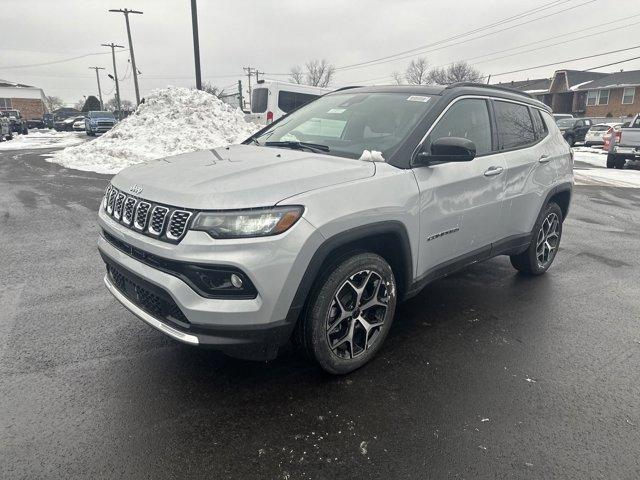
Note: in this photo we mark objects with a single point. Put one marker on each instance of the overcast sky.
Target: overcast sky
(274, 35)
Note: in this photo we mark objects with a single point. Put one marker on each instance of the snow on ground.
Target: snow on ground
(42, 138)
(628, 177)
(172, 120)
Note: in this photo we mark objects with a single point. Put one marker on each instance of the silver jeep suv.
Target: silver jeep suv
(316, 226)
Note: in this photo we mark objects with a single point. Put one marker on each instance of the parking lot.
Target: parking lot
(486, 374)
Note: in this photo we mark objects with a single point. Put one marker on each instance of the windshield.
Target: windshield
(349, 123)
(565, 122)
(101, 114)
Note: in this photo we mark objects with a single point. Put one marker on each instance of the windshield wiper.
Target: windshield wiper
(296, 145)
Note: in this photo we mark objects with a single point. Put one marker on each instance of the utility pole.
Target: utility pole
(126, 12)
(250, 72)
(99, 89)
(115, 72)
(196, 43)
(258, 73)
(240, 102)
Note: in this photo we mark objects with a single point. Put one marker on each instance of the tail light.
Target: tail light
(269, 117)
(608, 132)
(617, 136)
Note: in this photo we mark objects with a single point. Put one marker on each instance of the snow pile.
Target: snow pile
(43, 139)
(171, 121)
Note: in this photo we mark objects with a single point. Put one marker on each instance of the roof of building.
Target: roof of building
(615, 80)
(536, 85)
(7, 83)
(579, 77)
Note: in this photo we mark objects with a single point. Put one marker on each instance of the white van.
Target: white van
(272, 100)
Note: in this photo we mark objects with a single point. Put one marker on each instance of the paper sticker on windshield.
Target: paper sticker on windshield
(337, 110)
(418, 98)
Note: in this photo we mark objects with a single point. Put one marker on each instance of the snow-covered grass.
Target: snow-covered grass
(42, 138)
(171, 121)
(629, 178)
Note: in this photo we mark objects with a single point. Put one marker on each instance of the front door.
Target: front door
(460, 202)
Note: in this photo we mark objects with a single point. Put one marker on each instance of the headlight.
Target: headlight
(260, 222)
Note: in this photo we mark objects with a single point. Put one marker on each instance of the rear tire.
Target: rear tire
(350, 313)
(619, 162)
(542, 250)
(611, 160)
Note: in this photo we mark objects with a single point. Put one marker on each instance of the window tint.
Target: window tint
(515, 128)
(288, 101)
(539, 126)
(259, 98)
(467, 118)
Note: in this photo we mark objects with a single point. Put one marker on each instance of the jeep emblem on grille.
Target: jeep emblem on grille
(136, 189)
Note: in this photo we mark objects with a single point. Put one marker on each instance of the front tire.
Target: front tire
(542, 250)
(350, 313)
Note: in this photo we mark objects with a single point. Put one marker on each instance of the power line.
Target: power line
(422, 49)
(44, 64)
(567, 61)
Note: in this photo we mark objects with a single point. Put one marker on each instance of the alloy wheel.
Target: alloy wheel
(548, 239)
(357, 313)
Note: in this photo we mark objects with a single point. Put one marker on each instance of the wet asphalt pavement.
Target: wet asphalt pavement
(486, 374)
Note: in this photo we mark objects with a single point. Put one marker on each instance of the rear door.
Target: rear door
(460, 202)
(527, 149)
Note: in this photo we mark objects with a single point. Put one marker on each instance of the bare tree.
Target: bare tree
(456, 72)
(79, 104)
(296, 75)
(212, 89)
(318, 73)
(53, 103)
(417, 72)
(397, 78)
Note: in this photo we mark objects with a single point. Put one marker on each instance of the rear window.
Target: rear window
(538, 123)
(288, 101)
(515, 127)
(600, 128)
(259, 100)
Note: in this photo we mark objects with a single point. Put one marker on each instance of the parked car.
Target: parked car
(596, 134)
(65, 124)
(624, 144)
(16, 121)
(78, 124)
(5, 129)
(99, 122)
(35, 123)
(272, 100)
(317, 225)
(574, 129)
(48, 119)
(607, 137)
(560, 116)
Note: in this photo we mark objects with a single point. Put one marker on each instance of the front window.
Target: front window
(603, 97)
(468, 118)
(5, 103)
(348, 123)
(259, 100)
(592, 98)
(565, 123)
(100, 115)
(628, 95)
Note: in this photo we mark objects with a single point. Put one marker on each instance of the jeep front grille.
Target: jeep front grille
(159, 221)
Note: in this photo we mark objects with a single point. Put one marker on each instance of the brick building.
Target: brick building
(587, 94)
(29, 100)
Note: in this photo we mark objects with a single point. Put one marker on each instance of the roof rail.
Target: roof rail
(347, 88)
(494, 87)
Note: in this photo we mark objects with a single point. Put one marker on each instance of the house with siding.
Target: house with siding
(16, 96)
(586, 94)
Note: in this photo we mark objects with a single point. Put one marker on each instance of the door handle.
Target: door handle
(544, 159)
(493, 171)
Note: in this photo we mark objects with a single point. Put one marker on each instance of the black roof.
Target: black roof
(535, 84)
(613, 80)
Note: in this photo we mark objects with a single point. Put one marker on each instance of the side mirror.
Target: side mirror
(448, 149)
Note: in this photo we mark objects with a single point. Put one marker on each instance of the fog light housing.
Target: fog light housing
(236, 281)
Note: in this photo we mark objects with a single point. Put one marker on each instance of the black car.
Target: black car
(574, 129)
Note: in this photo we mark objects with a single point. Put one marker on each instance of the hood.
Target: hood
(239, 176)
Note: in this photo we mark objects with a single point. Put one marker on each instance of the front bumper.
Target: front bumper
(247, 328)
